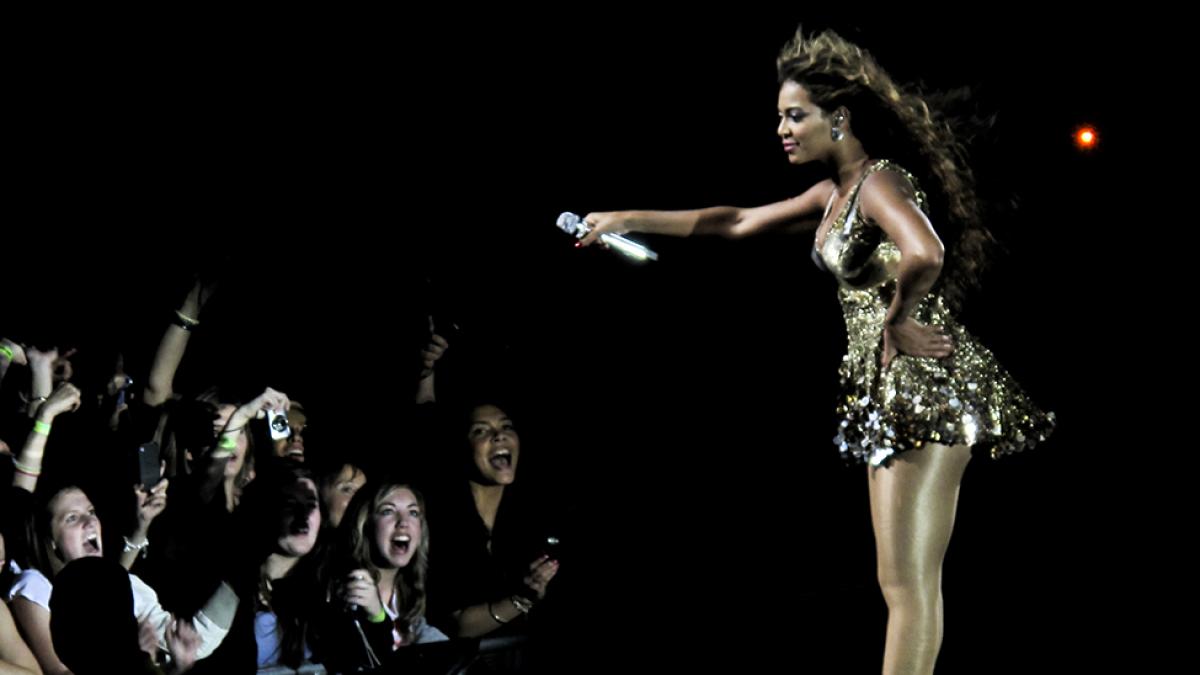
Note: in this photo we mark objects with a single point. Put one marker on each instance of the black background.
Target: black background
(684, 408)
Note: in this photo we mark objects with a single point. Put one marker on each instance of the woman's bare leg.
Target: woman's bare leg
(913, 501)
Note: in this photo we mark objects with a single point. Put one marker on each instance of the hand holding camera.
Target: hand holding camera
(268, 402)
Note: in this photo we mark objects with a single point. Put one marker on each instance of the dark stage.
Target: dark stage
(356, 177)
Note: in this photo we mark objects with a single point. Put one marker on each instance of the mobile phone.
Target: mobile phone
(444, 326)
(122, 391)
(437, 305)
(552, 546)
(149, 465)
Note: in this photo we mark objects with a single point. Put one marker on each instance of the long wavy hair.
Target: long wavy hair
(354, 548)
(906, 126)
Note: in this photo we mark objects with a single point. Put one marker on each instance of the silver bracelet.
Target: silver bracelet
(141, 548)
(494, 615)
(523, 605)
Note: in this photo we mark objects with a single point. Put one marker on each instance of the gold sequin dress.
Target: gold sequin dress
(964, 399)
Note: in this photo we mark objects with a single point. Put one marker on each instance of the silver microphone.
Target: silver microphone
(572, 224)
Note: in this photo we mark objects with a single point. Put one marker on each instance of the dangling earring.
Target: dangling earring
(837, 134)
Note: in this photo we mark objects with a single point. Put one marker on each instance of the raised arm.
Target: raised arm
(10, 353)
(28, 465)
(173, 345)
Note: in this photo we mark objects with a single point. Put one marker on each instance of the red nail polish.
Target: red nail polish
(578, 244)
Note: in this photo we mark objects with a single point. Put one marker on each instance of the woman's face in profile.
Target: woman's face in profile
(495, 446)
(804, 128)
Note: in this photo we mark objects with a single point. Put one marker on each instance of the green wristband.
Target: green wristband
(6, 352)
(380, 617)
(41, 428)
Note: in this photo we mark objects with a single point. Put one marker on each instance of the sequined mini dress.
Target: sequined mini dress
(966, 398)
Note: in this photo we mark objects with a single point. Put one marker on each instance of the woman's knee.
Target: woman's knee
(909, 587)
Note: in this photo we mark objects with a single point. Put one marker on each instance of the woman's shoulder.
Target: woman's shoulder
(887, 178)
(32, 585)
(32, 575)
(887, 167)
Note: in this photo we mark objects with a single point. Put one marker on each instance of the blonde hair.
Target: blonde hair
(354, 549)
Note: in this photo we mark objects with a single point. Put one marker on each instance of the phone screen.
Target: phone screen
(149, 465)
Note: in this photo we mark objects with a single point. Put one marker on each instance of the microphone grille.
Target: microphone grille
(568, 222)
